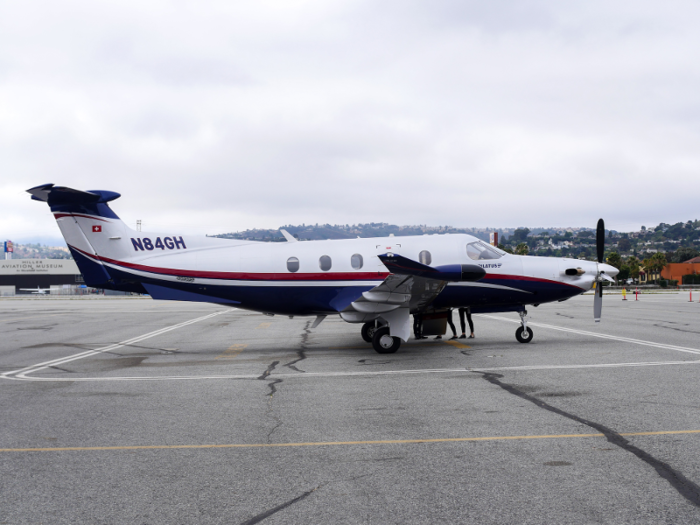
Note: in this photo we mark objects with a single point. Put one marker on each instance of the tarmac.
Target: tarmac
(128, 410)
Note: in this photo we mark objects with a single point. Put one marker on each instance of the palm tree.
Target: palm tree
(522, 249)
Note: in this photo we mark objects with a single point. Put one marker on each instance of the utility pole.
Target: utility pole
(138, 225)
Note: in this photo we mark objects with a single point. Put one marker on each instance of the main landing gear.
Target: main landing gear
(523, 334)
(368, 331)
(382, 341)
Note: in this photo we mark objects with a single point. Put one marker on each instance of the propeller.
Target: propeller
(600, 247)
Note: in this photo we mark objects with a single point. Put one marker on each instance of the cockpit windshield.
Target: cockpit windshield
(480, 251)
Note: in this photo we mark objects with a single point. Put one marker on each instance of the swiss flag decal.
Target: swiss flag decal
(97, 228)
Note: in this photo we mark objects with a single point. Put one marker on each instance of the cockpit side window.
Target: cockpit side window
(480, 251)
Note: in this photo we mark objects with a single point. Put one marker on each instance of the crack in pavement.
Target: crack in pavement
(366, 363)
(271, 385)
(685, 487)
(659, 325)
(62, 369)
(269, 370)
(301, 353)
(273, 382)
(274, 510)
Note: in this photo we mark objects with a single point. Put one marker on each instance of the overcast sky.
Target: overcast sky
(211, 117)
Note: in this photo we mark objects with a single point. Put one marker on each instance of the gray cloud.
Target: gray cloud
(223, 116)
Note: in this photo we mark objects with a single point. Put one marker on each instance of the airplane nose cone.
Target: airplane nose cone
(609, 269)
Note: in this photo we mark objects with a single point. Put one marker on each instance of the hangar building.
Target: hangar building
(38, 273)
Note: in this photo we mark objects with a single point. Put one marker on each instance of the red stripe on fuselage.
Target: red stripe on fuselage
(244, 276)
(247, 276)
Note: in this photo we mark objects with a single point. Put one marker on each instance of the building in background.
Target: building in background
(681, 271)
(58, 275)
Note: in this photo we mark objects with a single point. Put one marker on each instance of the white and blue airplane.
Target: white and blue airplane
(377, 282)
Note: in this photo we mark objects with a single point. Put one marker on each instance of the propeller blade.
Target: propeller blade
(600, 240)
(598, 302)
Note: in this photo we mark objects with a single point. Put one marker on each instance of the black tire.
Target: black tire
(368, 331)
(384, 343)
(522, 336)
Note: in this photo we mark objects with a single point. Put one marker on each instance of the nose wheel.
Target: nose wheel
(523, 334)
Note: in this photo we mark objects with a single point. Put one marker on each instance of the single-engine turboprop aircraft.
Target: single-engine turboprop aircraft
(377, 282)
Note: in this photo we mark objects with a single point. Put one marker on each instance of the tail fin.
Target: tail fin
(91, 230)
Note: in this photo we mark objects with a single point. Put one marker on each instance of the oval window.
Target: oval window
(424, 257)
(324, 263)
(293, 264)
(356, 261)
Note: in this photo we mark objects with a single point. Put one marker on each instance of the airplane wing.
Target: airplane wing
(411, 287)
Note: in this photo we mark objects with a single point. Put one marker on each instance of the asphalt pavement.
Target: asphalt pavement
(128, 410)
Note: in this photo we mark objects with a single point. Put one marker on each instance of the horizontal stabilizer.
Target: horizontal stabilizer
(58, 195)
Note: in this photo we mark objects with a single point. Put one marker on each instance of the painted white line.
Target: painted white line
(308, 375)
(22, 372)
(602, 336)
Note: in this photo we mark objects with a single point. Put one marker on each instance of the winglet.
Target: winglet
(288, 236)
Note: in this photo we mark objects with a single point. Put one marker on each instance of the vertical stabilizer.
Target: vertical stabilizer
(91, 229)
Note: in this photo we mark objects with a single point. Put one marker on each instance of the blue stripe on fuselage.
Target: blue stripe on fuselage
(519, 292)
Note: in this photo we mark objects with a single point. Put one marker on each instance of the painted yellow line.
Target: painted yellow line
(341, 443)
(263, 325)
(457, 344)
(232, 351)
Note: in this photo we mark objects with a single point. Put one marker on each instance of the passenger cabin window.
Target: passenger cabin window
(424, 257)
(356, 261)
(293, 264)
(480, 251)
(325, 263)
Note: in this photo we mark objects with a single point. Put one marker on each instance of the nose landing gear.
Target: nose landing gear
(523, 334)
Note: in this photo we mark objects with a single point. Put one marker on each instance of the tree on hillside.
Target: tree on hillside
(624, 245)
(683, 254)
(615, 260)
(522, 249)
(519, 235)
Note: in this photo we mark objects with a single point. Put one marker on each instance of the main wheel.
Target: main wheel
(383, 343)
(522, 336)
(368, 331)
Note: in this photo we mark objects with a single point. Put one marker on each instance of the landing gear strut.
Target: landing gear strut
(523, 334)
(384, 343)
(368, 331)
